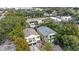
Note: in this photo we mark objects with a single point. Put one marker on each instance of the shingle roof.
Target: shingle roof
(29, 31)
(45, 30)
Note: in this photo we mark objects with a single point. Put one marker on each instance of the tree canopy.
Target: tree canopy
(67, 34)
(12, 27)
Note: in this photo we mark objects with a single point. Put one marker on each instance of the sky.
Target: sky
(39, 3)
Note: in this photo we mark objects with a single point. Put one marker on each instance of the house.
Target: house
(1, 12)
(66, 18)
(46, 14)
(59, 19)
(33, 24)
(31, 36)
(39, 20)
(34, 21)
(46, 33)
(55, 19)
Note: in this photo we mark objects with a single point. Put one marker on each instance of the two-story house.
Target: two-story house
(31, 36)
(46, 33)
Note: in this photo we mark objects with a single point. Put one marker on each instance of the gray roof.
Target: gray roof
(45, 30)
(29, 31)
(35, 19)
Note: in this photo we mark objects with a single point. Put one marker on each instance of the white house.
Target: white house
(66, 18)
(55, 19)
(46, 33)
(32, 25)
(31, 36)
(2, 14)
(34, 21)
(61, 18)
(39, 20)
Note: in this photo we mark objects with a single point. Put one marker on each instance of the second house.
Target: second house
(46, 33)
(31, 36)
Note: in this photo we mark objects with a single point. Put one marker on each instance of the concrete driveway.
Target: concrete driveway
(34, 48)
(57, 48)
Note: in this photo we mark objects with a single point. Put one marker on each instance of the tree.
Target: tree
(48, 46)
(12, 27)
(67, 34)
(21, 44)
(70, 42)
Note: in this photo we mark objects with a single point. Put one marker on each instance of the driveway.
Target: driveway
(7, 46)
(34, 48)
(57, 48)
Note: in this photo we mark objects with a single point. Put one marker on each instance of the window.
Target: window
(30, 44)
(38, 37)
(34, 40)
(34, 43)
(30, 40)
(51, 36)
(38, 41)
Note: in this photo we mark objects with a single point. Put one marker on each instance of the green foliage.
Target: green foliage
(67, 34)
(33, 14)
(71, 42)
(47, 46)
(21, 44)
(12, 27)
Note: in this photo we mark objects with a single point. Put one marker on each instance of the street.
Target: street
(57, 48)
(34, 48)
(7, 46)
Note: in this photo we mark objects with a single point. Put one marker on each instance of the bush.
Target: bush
(21, 44)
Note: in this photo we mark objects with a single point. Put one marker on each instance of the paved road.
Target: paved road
(7, 46)
(34, 48)
(57, 48)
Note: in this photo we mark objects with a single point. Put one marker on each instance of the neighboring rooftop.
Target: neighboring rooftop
(56, 19)
(45, 30)
(66, 18)
(35, 19)
(61, 18)
(29, 31)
